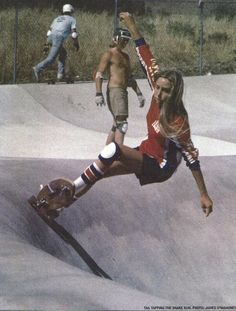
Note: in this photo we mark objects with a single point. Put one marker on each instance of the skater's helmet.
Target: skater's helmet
(67, 8)
(121, 33)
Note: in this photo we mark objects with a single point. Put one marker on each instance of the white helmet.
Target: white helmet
(67, 8)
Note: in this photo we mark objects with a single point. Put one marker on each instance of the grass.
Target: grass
(174, 40)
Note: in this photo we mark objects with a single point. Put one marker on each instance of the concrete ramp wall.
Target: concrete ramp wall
(154, 241)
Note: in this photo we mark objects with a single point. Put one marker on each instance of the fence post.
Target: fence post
(201, 35)
(116, 21)
(15, 43)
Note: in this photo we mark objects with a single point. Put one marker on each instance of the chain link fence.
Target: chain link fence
(197, 37)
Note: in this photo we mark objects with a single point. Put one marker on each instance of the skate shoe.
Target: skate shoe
(60, 77)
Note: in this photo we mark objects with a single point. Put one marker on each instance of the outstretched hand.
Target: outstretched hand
(127, 18)
(129, 22)
(207, 204)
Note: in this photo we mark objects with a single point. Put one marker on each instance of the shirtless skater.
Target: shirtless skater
(117, 64)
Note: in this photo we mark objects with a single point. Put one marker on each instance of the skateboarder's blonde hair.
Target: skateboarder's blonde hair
(174, 107)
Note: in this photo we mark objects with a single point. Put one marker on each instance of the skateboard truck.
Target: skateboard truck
(39, 205)
(53, 197)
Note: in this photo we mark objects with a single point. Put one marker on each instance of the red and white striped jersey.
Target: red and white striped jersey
(168, 152)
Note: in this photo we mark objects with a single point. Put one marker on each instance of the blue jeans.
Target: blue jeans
(56, 50)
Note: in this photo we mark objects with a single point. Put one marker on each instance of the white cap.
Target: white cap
(67, 8)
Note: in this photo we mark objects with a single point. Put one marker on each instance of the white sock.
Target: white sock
(90, 175)
(79, 184)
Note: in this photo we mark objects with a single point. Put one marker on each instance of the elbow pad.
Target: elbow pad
(74, 35)
(99, 75)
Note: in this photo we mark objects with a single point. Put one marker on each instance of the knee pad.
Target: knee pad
(110, 153)
(122, 126)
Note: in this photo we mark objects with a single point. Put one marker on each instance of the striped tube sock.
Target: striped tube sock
(91, 174)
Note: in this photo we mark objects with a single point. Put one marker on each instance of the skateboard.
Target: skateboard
(53, 197)
(57, 194)
(67, 80)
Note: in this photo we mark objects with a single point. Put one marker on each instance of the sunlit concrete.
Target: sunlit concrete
(154, 241)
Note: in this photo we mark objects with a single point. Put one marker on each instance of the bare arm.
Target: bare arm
(134, 85)
(206, 202)
(102, 67)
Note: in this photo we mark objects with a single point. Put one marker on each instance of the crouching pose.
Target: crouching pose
(158, 156)
(62, 27)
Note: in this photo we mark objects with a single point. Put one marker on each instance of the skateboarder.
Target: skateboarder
(61, 28)
(158, 156)
(117, 64)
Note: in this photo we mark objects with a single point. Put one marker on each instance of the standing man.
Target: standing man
(61, 28)
(117, 64)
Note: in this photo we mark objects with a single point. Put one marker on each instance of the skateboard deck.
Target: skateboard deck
(44, 200)
(67, 80)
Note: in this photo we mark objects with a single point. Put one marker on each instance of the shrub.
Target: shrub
(218, 37)
(177, 28)
(173, 40)
(223, 10)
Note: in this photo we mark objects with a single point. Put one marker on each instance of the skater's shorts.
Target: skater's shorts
(152, 172)
(117, 101)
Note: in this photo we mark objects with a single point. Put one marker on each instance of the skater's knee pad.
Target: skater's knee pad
(122, 126)
(110, 153)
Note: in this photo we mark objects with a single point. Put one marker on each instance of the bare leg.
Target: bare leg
(110, 137)
(119, 137)
(111, 134)
(121, 129)
(116, 136)
(130, 161)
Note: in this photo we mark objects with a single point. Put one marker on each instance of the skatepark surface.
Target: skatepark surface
(154, 241)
